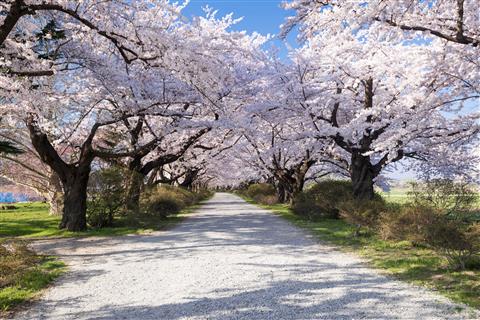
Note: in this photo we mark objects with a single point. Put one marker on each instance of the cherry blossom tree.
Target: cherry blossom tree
(382, 95)
(109, 25)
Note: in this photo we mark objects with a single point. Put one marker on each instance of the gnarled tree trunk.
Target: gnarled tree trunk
(74, 177)
(362, 174)
(141, 170)
(292, 180)
(189, 178)
(75, 200)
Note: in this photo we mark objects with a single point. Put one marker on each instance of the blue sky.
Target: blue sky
(264, 16)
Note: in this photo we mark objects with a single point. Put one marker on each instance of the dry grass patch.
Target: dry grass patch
(23, 274)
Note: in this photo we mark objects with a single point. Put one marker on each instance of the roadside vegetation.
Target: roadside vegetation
(32, 221)
(160, 207)
(23, 273)
(429, 236)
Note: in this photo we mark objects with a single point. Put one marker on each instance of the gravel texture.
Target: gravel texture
(229, 260)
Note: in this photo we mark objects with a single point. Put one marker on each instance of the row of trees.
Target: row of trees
(91, 82)
(372, 84)
(85, 84)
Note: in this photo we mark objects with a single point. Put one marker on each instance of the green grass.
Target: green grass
(28, 281)
(396, 195)
(31, 220)
(400, 195)
(403, 260)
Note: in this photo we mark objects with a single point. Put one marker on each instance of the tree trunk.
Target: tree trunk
(75, 200)
(290, 195)
(285, 189)
(74, 176)
(292, 183)
(55, 202)
(281, 193)
(292, 180)
(296, 189)
(189, 179)
(55, 195)
(132, 201)
(10, 20)
(362, 174)
(284, 185)
(299, 180)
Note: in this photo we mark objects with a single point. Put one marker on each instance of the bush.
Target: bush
(262, 193)
(362, 213)
(163, 204)
(163, 201)
(446, 196)
(473, 262)
(459, 242)
(322, 199)
(106, 192)
(168, 200)
(260, 189)
(267, 200)
(203, 194)
(406, 223)
(185, 197)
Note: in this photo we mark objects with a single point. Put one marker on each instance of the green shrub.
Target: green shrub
(203, 194)
(167, 200)
(262, 193)
(405, 223)
(164, 201)
(260, 189)
(473, 262)
(322, 199)
(163, 205)
(267, 200)
(362, 213)
(106, 192)
(448, 197)
(457, 241)
(98, 215)
(459, 244)
(185, 197)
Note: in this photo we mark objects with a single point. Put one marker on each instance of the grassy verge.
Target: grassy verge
(23, 274)
(417, 265)
(31, 220)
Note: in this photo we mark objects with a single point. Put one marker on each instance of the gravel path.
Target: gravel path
(230, 260)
